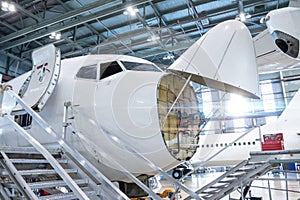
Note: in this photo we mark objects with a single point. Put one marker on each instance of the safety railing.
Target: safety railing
(106, 184)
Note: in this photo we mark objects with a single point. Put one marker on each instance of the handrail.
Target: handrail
(126, 172)
(229, 145)
(3, 193)
(106, 183)
(89, 167)
(66, 124)
(129, 148)
(52, 161)
(15, 175)
(217, 153)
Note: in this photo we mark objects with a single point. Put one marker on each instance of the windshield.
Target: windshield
(140, 66)
(87, 72)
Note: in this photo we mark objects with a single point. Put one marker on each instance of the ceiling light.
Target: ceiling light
(54, 35)
(130, 11)
(168, 57)
(58, 36)
(11, 8)
(264, 19)
(5, 6)
(243, 16)
(153, 38)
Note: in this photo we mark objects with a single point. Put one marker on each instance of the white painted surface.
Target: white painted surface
(269, 56)
(43, 68)
(285, 20)
(224, 58)
(287, 124)
(123, 105)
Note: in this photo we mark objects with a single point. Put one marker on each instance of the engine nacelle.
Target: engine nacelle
(283, 25)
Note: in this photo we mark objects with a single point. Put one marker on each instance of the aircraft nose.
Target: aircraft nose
(156, 108)
(179, 116)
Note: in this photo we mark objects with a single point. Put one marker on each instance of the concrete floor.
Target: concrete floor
(259, 187)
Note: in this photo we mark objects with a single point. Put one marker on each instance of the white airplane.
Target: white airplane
(121, 98)
(278, 46)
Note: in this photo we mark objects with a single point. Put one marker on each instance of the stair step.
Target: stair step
(38, 172)
(236, 175)
(49, 184)
(227, 181)
(255, 163)
(246, 169)
(210, 192)
(67, 196)
(219, 186)
(206, 196)
(36, 161)
(27, 150)
(44, 171)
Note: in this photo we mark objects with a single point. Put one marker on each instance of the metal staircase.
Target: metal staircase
(79, 185)
(38, 172)
(63, 173)
(242, 174)
(24, 168)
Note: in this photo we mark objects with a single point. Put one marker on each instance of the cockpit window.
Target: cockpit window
(87, 72)
(140, 66)
(108, 69)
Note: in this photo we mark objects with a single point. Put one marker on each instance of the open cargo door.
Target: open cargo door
(223, 59)
(39, 86)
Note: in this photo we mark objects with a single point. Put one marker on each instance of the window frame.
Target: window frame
(88, 79)
(99, 69)
(125, 69)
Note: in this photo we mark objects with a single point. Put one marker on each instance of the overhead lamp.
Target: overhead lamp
(5, 6)
(264, 19)
(168, 57)
(242, 16)
(153, 38)
(54, 35)
(131, 11)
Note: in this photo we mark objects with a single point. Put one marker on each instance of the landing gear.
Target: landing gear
(177, 173)
(180, 171)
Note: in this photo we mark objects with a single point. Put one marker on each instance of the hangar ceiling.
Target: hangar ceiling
(159, 30)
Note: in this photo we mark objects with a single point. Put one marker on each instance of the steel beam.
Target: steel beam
(26, 12)
(53, 21)
(66, 25)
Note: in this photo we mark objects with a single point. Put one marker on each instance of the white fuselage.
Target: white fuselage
(122, 107)
(287, 124)
(153, 112)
